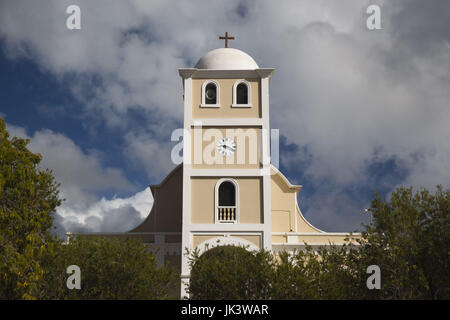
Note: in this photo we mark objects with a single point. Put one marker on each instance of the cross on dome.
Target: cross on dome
(226, 38)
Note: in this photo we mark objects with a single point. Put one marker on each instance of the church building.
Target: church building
(226, 190)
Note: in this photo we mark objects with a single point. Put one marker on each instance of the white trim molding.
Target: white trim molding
(226, 172)
(208, 105)
(229, 122)
(225, 74)
(319, 234)
(227, 227)
(265, 156)
(185, 237)
(249, 94)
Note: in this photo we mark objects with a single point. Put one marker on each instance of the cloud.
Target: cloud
(82, 177)
(114, 215)
(143, 149)
(79, 173)
(351, 98)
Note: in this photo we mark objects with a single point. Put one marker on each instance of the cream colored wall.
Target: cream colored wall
(279, 239)
(198, 239)
(204, 154)
(256, 240)
(202, 200)
(283, 205)
(282, 221)
(285, 215)
(285, 211)
(323, 239)
(249, 199)
(225, 100)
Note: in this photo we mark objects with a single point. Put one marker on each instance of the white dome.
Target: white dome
(226, 59)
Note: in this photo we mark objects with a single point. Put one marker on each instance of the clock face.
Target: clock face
(226, 146)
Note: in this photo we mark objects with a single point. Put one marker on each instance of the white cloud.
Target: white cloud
(82, 176)
(144, 149)
(114, 215)
(339, 89)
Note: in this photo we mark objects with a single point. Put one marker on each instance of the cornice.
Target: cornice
(212, 73)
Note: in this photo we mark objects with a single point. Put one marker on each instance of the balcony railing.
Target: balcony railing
(226, 213)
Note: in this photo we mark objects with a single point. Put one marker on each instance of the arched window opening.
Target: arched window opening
(210, 93)
(227, 194)
(226, 201)
(242, 94)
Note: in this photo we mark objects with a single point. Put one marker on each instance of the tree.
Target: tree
(326, 272)
(111, 268)
(230, 272)
(28, 199)
(409, 239)
(33, 262)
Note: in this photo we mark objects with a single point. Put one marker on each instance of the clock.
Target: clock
(226, 146)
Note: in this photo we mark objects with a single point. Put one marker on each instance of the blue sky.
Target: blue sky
(358, 110)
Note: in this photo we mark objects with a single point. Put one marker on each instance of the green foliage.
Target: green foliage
(28, 197)
(33, 263)
(230, 272)
(408, 238)
(110, 269)
(321, 273)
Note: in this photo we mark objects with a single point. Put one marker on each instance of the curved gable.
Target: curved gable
(286, 215)
(166, 212)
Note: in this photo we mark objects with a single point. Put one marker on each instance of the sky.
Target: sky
(358, 110)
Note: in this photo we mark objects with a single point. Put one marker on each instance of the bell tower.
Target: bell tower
(226, 153)
(226, 191)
